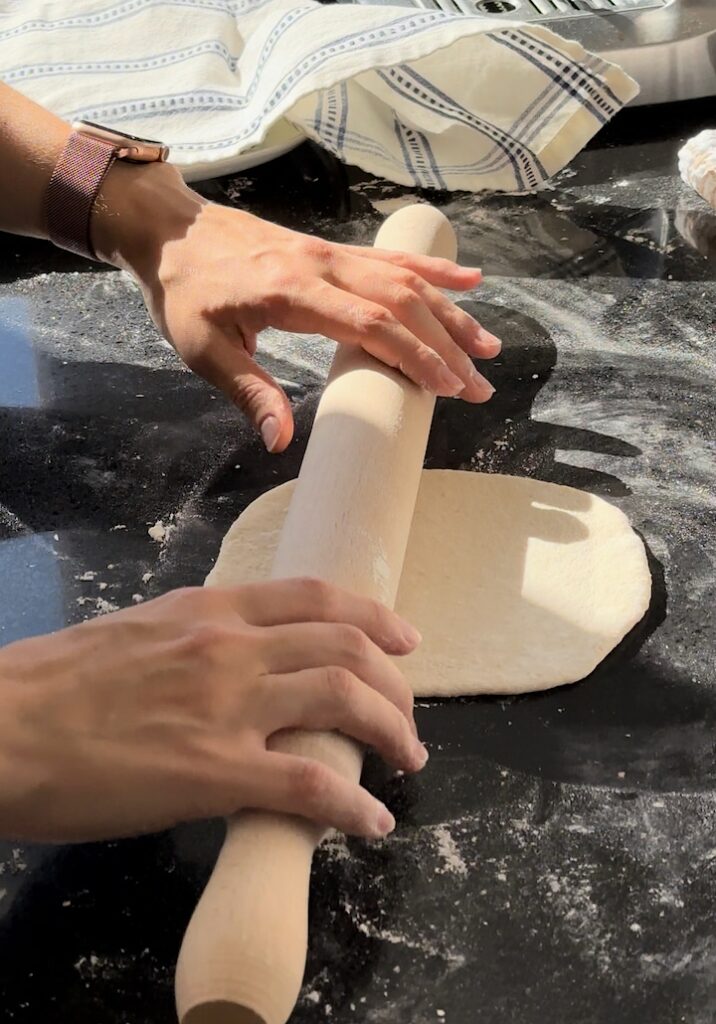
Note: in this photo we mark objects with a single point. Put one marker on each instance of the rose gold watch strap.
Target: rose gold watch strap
(73, 188)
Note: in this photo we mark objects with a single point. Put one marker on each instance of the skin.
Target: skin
(137, 720)
(164, 712)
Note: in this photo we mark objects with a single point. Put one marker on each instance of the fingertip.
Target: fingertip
(467, 277)
(489, 341)
(480, 395)
(400, 637)
(394, 644)
(412, 637)
(383, 822)
(276, 432)
(447, 384)
(270, 430)
(484, 350)
(474, 272)
(420, 756)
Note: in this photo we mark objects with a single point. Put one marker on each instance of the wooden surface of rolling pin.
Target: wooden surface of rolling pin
(243, 955)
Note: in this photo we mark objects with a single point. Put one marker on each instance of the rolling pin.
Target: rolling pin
(243, 955)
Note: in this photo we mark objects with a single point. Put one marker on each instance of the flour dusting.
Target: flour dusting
(448, 852)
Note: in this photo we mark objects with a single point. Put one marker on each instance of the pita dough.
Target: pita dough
(515, 584)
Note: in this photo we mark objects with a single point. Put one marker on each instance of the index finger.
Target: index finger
(300, 646)
(435, 270)
(282, 602)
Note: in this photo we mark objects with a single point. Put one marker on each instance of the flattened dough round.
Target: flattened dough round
(515, 584)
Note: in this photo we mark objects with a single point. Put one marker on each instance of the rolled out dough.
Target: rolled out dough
(515, 584)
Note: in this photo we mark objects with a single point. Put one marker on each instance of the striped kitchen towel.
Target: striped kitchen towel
(422, 97)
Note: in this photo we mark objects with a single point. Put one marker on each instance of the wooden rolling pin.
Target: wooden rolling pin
(243, 955)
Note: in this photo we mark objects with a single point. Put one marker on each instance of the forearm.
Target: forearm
(31, 140)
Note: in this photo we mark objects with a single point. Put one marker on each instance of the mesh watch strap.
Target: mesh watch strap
(73, 188)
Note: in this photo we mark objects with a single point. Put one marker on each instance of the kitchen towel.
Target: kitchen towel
(422, 97)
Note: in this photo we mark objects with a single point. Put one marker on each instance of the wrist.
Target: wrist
(139, 209)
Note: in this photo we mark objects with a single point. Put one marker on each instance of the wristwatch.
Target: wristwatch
(78, 175)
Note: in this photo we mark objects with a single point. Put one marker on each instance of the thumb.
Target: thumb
(230, 367)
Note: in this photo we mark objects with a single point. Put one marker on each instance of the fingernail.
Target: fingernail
(420, 755)
(450, 383)
(489, 339)
(270, 431)
(384, 822)
(483, 387)
(410, 634)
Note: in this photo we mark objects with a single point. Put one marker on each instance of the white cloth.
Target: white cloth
(420, 97)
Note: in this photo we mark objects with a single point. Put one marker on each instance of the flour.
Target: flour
(159, 532)
(15, 864)
(335, 846)
(100, 605)
(448, 852)
(420, 944)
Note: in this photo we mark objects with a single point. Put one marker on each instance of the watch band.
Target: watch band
(73, 189)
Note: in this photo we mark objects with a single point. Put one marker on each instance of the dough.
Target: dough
(515, 584)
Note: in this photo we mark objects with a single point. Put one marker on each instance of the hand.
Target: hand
(214, 277)
(161, 713)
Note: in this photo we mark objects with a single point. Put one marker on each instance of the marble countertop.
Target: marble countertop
(557, 860)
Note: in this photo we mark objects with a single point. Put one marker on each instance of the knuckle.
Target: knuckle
(318, 595)
(282, 283)
(378, 616)
(404, 298)
(318, 250)
(340, 684)
(427, 361)
(353, 641)
(311, 783)
(409, 280)
(206, 641)
(398, 259)
(372, 318)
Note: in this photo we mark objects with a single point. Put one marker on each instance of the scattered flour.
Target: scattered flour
(159, 532)
(418, 943)
(448, 852)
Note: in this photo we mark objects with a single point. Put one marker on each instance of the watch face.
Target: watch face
(123, 135)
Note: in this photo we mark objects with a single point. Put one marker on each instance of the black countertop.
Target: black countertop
(557, 859)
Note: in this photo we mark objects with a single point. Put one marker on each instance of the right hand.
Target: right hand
(161, 713)
(213, 278)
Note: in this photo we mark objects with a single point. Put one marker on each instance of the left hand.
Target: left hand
(214, 277)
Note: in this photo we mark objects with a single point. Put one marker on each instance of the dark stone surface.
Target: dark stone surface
(557, 859)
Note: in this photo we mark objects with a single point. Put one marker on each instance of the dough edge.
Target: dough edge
(438, 669)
